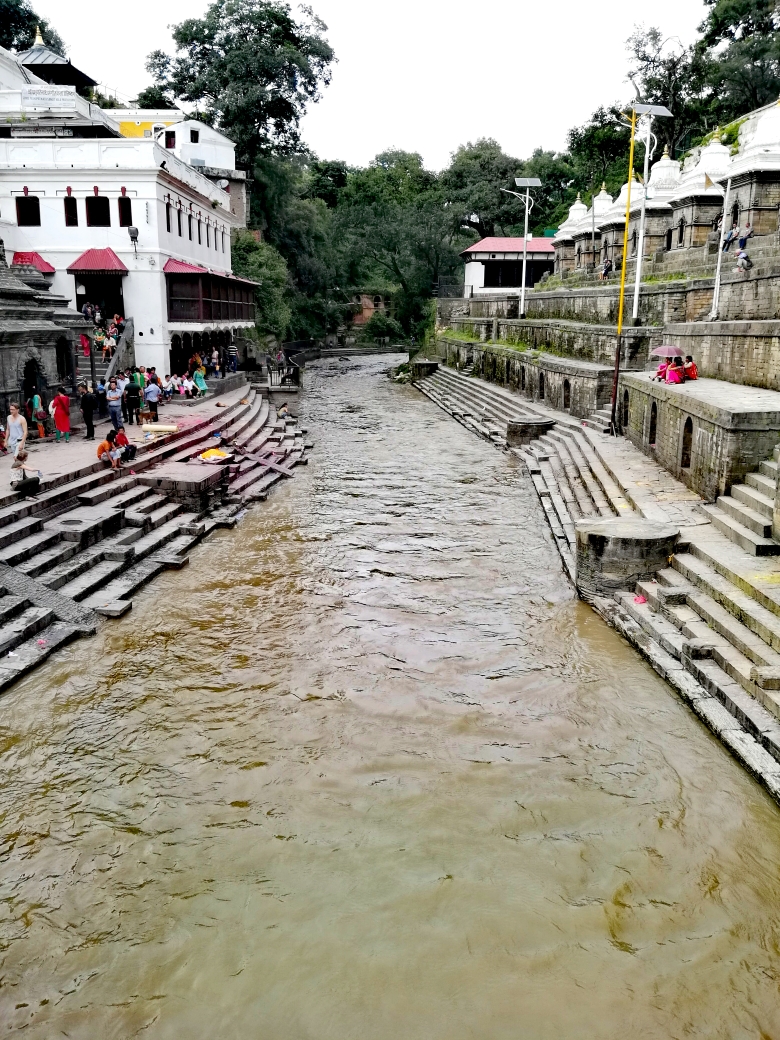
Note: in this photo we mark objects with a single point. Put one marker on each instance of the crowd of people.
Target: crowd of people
(675, 370)
(107, 330)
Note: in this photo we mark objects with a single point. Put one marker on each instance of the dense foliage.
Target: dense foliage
(18, 22)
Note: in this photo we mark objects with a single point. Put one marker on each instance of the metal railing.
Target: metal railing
(285, 373)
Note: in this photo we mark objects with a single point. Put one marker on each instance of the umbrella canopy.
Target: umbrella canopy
(667, 351)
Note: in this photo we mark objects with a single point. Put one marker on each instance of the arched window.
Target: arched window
(687, 444)
(681, 232)
(624, 417)
(634, 240)
(377, 302)
(566, 395)
(522, 377)
(653, 425)
(541, 386)
(669, 236)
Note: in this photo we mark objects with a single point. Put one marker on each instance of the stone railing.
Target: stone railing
(124, 355)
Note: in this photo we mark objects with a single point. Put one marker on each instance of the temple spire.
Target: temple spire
(38, 38)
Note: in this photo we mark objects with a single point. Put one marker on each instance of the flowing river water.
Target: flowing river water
(367, 769)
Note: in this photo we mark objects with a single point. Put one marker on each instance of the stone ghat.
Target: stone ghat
(91, 538)
(709, 619)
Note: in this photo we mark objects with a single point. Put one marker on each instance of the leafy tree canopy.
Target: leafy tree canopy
(252, 67)
(18, 22)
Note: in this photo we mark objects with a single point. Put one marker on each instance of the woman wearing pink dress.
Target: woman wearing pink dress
(61, 409)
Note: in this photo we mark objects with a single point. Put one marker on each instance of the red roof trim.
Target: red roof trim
(172, 266)
(511, 245)
(33, 260)
(98, 261)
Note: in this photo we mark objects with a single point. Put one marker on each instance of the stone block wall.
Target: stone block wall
(746, 352)
(722, 453)
(568, 385)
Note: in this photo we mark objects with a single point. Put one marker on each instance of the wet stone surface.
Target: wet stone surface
(366, 768)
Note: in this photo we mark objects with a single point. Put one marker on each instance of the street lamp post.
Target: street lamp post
(527, 183)
(649, 111)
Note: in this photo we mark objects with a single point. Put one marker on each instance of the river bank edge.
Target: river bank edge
(737, 735)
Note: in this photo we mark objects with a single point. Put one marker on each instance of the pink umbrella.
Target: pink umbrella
(667, 351)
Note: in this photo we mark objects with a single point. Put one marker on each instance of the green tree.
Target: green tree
(18, 22)
(741, 47)
(473, 185)
(262, 263)
(252, 67)
(665, 72)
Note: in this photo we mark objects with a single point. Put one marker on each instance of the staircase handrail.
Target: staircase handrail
(125, 351)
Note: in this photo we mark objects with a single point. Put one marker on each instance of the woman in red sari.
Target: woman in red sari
(61, 409)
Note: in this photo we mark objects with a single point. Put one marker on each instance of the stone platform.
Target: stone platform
(709, 434)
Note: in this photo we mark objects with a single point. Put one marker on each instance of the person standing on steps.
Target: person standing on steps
(114, 398)
(121, 382)
(152, 396)
(61, 413)
(87, 405)
(15, 430)
(133, 399)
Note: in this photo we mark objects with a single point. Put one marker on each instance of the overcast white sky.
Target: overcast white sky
(423, 75)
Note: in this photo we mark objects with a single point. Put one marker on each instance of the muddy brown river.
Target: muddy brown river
(367, 770)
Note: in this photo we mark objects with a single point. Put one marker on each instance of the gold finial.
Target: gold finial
(38, 38)
(666, 151)
(603, 185)
(578, 197)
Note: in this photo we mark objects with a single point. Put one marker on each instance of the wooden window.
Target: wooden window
(200, 240)
(98, 211)
(170, 138)
(71, 211)
(208, 238)
(168, 217)
(178, 221)
(194, 136)
(189, 226)
(125, 211)
(28, 211)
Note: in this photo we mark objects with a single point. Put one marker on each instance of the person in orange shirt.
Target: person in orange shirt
(107, 452)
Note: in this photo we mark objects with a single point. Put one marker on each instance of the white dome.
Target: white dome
(618, 207)
(714, 162)
(577, 211)
(665, 174)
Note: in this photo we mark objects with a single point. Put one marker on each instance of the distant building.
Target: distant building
(496, 264)
(371, 303)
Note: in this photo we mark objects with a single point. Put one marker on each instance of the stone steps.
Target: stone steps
(33, 651)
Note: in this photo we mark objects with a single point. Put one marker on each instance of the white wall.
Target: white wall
(474, 277)
(147, 186)
(212, 149)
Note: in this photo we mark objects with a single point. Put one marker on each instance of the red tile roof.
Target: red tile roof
(511, 245)
(98, 261)
(172, 266)
(33, 260)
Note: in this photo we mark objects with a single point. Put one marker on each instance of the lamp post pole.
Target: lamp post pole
(716, 291)
(649, 111)
(527, 183)
(525, 250)
(623, 273)
(641, 244)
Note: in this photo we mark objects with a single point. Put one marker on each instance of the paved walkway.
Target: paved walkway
(54, 459)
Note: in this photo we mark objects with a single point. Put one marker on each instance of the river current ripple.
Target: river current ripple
(366, 769)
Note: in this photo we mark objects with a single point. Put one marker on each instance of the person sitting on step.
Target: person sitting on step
(691, 371)
(107, 451)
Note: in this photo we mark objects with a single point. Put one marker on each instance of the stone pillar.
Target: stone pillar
(616, 553)
(495, 330)
(526, 430)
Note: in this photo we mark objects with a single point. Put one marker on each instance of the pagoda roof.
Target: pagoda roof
(53, 67)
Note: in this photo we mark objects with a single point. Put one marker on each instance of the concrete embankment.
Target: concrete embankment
(707, 618)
